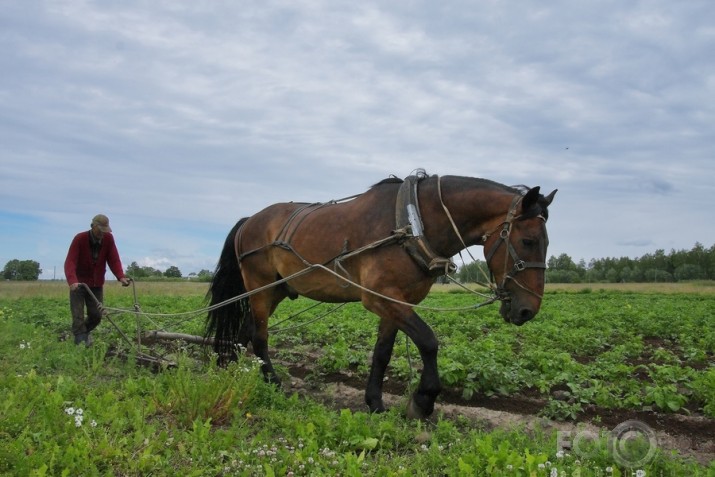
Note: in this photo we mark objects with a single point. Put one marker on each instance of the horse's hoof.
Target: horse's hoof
(375, 406)
(271, 378)
(414, 411)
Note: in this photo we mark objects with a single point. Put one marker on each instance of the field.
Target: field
(534, 400)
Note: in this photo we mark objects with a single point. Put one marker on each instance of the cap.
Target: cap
(102, 221)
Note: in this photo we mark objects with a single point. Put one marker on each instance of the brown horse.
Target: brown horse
(383, 248)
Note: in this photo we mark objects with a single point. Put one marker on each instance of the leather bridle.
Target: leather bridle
(504, 237)
(519, 264)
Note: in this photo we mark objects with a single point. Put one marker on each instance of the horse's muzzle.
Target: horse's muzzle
(515, 315)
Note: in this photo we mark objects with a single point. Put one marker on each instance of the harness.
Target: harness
(408, 221)
(409, 233)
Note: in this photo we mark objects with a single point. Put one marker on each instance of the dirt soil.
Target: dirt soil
(691, 436)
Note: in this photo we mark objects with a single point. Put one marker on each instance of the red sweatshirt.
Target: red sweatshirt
(80, 267)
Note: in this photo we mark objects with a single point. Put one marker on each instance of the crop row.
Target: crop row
(609, 350)
(72, 410)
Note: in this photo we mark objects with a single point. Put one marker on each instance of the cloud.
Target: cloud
(637, 243)
(186, 117)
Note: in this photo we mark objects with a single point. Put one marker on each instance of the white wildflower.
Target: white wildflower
(69, 411)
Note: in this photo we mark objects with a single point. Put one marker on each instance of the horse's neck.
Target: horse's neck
(475, 209)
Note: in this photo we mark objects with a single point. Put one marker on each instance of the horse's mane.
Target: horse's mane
(520, 189)
(389, 180)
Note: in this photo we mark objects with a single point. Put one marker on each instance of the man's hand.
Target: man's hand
(125, 281)
(74, 286)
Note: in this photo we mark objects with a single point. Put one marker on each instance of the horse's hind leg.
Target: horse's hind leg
(261, 311)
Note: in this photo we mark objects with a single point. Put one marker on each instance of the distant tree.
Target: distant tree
(474, 272)
(612, 275)
(172, 272)
(562, 276)
(695, 264)
(21, 270)
(152, 272)
(563, 269)
(656, 275)
(689, 271)
(595, 272)
(135, 271)
(562, 262)
(205, 275)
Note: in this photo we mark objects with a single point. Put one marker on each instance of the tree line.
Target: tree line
(151, 273)
(29, 270)
(697, 263)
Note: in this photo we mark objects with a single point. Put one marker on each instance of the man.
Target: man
(87, 259)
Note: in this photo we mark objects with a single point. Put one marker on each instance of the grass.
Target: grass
(112, 289)
(199, 419)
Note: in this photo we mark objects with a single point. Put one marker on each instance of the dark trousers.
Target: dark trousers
(79, 299)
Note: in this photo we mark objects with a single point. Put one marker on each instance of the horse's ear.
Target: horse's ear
(549, 198)
(530, 199)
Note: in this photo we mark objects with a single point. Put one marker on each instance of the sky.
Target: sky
(178, 118)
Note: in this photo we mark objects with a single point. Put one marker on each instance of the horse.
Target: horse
(383, 248)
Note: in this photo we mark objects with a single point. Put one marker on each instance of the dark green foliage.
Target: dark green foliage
(21, 270)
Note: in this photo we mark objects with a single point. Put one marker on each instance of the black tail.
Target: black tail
(230, 324)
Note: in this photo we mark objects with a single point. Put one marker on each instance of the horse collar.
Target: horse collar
(409, 221)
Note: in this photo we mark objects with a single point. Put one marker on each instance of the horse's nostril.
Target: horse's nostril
(525, 314)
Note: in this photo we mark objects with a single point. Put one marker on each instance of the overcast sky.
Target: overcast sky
(177, 118)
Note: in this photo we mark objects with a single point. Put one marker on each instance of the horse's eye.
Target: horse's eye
(528, 242)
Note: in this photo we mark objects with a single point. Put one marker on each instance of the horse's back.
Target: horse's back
(290, 236)
(322, 229)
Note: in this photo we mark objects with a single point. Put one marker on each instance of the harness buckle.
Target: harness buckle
(504, 234)
(519, 266)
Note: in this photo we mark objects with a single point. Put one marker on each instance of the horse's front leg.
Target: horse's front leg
(380, 360)
(393, 318)
(421, 403)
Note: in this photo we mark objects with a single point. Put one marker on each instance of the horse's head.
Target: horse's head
(516, 256)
